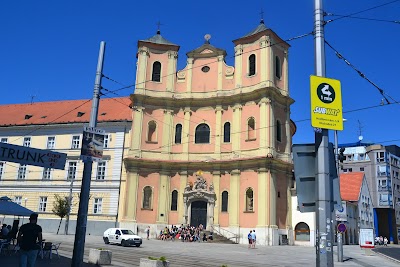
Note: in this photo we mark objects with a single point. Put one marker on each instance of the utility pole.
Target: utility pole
(80, 233)
(324, 185)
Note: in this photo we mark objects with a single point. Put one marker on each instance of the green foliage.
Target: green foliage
(162, 258)
(60, 206)
(224, 265)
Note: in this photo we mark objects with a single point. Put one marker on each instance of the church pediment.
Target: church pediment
(206, 51)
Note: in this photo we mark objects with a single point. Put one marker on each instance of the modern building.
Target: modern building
(381, 166)
(58, 126)
(211, 143)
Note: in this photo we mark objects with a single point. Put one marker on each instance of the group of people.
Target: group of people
(187, 233)
(29, 239)
(381, 241)
(252, 238)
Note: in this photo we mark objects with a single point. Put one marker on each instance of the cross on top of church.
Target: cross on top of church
(262, 16)
(158, 27)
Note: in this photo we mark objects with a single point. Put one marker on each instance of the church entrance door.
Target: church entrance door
(199, 213)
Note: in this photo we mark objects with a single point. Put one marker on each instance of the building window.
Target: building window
(380, 156)
(42, 204)
(98, 205)
(151, 132)
(101, 170)
(361, 156)
(249, 200)
(361, 169)
(278, 67)
(382, 170)
(178, 133)
(21, 172)
(348, 170)
(202, 135)
(4, 140)
(46, 175)
(18, 200)
(156, 75)
(72, 167)
(27, 141)
(278, 131)
(205, 69)
(227, 132)
(106, 143)
(147, 195)
(302, 232)
(251, 129)
(224, 204)
(1, 169)
(76, 140)
(174, 200)
(252, 65)
(51, 142)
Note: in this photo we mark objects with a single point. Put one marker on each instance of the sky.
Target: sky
(49, 50)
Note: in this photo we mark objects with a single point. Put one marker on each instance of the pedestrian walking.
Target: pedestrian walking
(249, 237)
(29, 239)
(253, 239)
(385, 241)
(148, 232)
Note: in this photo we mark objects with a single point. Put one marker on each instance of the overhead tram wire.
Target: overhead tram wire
(362, 11)
(381, 91)
(361, 18)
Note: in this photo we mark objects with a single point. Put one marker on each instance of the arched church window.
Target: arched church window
(174, 200)
(252, 64)
(302, 232)
(202, 135)
(278, 67)
(251, 129)
(249, 200)
(147, 196)
(227, 132)
(151, 132)
(178, 133)
(224, 204)
(156, 74)
(278, 131)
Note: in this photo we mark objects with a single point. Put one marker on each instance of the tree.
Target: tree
(60, 208)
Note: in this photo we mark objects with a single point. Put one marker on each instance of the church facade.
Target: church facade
(211, 143)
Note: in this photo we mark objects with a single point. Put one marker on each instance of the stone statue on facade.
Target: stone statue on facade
(211, 188)
(200, 183)
(188, 187)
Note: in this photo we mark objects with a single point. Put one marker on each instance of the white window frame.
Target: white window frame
(98, 205)
(51, 142)
(379, 157)
(47, 174)
(98, 170)
(42, 204)
(76, 142)
(2, 166)
(22, 169)
(27, 141)
(68, 168)
(107, 139)
(4, 140)
(18, 200)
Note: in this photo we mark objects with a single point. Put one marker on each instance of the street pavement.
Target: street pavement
(205, 254)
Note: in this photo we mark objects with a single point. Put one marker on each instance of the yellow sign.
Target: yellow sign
(326, 103)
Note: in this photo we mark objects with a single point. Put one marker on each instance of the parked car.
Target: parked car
(122, 236)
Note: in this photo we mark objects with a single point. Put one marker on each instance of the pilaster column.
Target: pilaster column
(271, 60)
(238, 65)
(288, 133)
(218, 131)
(181, 204)
(264, 127)
(163, 199)
(220, 72)
(263, 198)
(141, 68)
(264, 63)
(167, 131)
(236, 127)
(189, 75)
(272, 128)
(131, 195)
(234, 198)
(172, 59)
(272, 198)
(185, 133)
(136, 131)
(286, 71)
(218, 203)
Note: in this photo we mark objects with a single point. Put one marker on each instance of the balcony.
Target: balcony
(384, 188)
(385, 203)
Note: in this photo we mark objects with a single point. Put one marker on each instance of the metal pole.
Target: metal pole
(338, 234)
(323, 199)
(80, 233)
(69, 206)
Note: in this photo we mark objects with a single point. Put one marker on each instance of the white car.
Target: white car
(122, 236)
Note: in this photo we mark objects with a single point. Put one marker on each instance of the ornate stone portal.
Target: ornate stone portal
(199, 192)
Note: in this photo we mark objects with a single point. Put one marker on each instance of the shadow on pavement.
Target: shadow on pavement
(13, 260)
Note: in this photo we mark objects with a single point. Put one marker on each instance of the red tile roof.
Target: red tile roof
(350, 185)
(67, 111)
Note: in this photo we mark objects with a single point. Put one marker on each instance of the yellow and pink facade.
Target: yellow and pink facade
(211, 143)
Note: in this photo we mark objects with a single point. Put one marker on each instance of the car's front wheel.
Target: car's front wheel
(106, 241)
(137, 245)
(124, 243)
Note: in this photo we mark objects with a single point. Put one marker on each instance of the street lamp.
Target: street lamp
(26, 199)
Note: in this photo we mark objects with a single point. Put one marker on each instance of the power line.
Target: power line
(361, 18)
(362, 11)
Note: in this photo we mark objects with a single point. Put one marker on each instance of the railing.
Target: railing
(226, 233)
(384, 188)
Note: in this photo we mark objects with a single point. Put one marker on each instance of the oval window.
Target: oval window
(205, 69)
